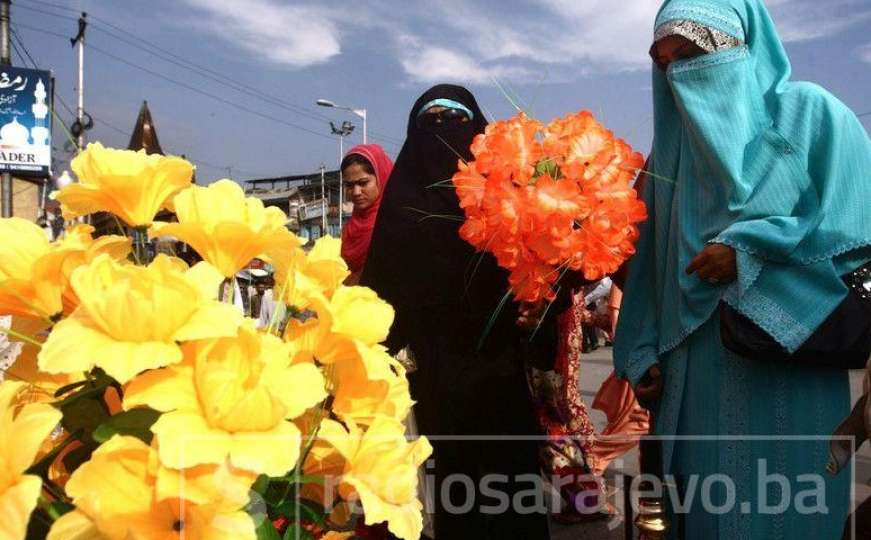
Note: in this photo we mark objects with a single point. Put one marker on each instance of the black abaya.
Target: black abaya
(472, 400)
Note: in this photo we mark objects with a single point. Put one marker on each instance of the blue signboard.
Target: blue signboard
(25, 121)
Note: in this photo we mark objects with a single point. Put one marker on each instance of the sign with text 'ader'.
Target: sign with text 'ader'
(25, 121)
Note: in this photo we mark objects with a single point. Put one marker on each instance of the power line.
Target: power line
(56, 6)
(185, 85)
(216, 76)
(49, 13)
(202, 71)
(20, 43)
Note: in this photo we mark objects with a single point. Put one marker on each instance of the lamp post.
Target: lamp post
(359, 112)
(342, 131)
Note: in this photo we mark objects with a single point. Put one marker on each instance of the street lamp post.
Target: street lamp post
(342, 131)
(359, 112)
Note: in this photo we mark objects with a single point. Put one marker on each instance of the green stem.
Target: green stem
(20, 336)
(140, 245)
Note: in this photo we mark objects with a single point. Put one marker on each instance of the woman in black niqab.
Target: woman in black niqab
(444, 295)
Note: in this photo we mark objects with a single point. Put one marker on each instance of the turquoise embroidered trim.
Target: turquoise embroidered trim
(709, 60)
(769, 316)
(448, 104)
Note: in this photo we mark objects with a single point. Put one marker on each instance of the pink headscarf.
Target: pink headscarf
(357, 233)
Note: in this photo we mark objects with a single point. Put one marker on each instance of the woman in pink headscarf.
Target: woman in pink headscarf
(365, 172)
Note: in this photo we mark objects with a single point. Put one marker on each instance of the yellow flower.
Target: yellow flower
(21, 436)
(354, 315)
(131, 318)
(230, 397)
(132, 185)
(35, 274)
(23, 245)
(40, 386)
(118, 496)
(381, 471)
(300, 277)
(224, 227)
(77, 248)
(369, 387)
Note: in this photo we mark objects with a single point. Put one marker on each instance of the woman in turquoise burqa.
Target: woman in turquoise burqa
(759, 194)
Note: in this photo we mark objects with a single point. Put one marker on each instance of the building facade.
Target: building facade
(311, 201)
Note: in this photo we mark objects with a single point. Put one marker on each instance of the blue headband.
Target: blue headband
(448, 104)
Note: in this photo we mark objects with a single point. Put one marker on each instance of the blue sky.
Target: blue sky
(558, 55)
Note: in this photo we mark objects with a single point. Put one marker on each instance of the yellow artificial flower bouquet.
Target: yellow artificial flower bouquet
(146, 406)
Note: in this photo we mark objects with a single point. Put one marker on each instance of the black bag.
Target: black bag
(842, 341)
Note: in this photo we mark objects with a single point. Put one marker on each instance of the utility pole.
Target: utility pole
(342, 131)
(5, 60)
(323, 200)
(80, 112)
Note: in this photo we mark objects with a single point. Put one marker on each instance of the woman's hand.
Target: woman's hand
(649, 388)
(716, 264)
(529, 315)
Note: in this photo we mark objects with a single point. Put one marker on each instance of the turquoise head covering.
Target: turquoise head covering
(779, 170)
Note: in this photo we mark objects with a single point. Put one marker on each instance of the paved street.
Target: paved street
(595, 368)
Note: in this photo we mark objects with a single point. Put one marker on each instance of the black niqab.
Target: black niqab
(417, 257)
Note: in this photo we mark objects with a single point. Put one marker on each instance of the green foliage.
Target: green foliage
(135, 422)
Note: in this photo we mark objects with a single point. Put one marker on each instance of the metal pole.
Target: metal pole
(341, 179)
(323, 201)
(365, 129)
(80, 113)
(6, 60)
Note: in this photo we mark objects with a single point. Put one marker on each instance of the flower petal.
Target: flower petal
(164, 390)
(16, 504)
(185, 440)
(71, 347)
(273, 453)
(74, 525)
(210, 321)
(123, 360)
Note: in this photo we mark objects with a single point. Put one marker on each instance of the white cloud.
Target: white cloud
(476, 41)
(554, 40)
(865, 53)
(432, 63)
(293, 35)
(805, 20)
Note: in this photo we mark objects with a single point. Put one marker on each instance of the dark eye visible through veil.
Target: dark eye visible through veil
(434, 119)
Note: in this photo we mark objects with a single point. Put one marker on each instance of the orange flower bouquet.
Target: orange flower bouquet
(545, 200)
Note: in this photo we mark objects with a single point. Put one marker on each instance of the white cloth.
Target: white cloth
(9, 350)
(267, 309)
(598, 292)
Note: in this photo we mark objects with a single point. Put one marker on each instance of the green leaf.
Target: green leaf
(302, 479)
(303, 510)
(295, 532)
(261, 484)
(69, 388)
(266, 531)
(135, 422)
(84, 414)
(59, 508)
(38, 526)
(78, 456)
(93, 388)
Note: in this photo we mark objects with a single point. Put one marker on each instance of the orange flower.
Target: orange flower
(548, 199)
(470, 185)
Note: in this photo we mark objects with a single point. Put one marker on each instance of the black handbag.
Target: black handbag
(842, 341)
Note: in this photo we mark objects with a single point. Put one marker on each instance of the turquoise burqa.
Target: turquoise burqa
(780, 171)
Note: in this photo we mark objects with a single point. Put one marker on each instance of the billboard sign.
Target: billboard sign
(25, 121)
(312, 210)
